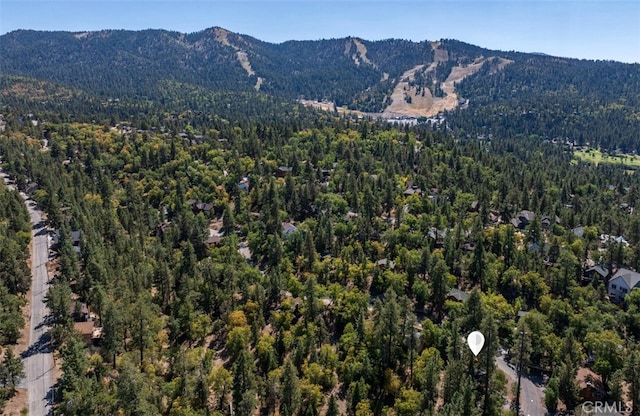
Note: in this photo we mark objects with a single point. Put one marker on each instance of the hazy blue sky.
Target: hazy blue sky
(592, 29)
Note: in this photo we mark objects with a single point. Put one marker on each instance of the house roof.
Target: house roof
(385, 262)
(526, 215)
(75, 236)
(214, 239)
(289, 228)
(457, 294)
(598, 269)
(204, 206)
(578, 231)
(436, 234)
(85, 328)
(630, 278)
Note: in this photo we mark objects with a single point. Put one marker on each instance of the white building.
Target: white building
(621, 284)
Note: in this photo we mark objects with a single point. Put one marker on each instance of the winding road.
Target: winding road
(531, 393)
(38, 358)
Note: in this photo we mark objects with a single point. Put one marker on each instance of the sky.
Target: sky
(586, 29)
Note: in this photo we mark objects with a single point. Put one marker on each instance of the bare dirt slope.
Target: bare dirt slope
(408, 101)
(362, 51)
(222, 36)
(244, 62)
(399, 105)
(413, 101)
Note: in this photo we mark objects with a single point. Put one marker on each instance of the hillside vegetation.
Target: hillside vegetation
(241, 254)
(508, 93)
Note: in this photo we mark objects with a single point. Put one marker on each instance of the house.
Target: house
(523, 219)
(243, 185)
(384, 263)
(203, 207)
(494, 217)
(437, 236)
(457, 295)
(215, 239)
(578, 231)
(281, 171)
(86, 331)
(546, 222)
(288, 228)
(475, 206)
(409, 192)
(621, 284)
(591, 387)
(75, 237)
(620, 240)
(596, 272)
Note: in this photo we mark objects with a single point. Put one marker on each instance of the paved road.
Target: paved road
(531, 391)
(38, 358)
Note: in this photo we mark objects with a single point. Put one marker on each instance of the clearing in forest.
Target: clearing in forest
(596, 156)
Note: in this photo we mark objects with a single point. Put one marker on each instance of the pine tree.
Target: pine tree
(290, 394)
(438, 277)
(244, 383)
(631, 373)
(332, 408)
(112, 337)
(11, 369)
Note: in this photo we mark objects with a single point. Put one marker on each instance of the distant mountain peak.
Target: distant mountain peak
(221, 35)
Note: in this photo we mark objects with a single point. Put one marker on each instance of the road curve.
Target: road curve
(38, 358)
(531, 394)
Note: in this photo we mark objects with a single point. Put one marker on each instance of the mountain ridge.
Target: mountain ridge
(385, 78)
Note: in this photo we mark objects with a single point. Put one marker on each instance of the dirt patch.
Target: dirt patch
(439, 55)
(360, 55)
(406, 101)
(222, 36)
(362, 50)
(322, 105)
(259, 82)
(399, 105)
(244, 62)
(503, 62)
(17, 403)
(458, 73)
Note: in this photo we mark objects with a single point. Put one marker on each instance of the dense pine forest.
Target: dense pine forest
(15, 234)
(242, 254)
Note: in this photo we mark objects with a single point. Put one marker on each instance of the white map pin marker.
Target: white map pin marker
(476, 342)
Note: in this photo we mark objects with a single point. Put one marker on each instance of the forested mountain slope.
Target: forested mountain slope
(591, 102)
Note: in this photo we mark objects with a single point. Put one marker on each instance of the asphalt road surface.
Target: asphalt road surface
(38, 358)
(531, 392)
